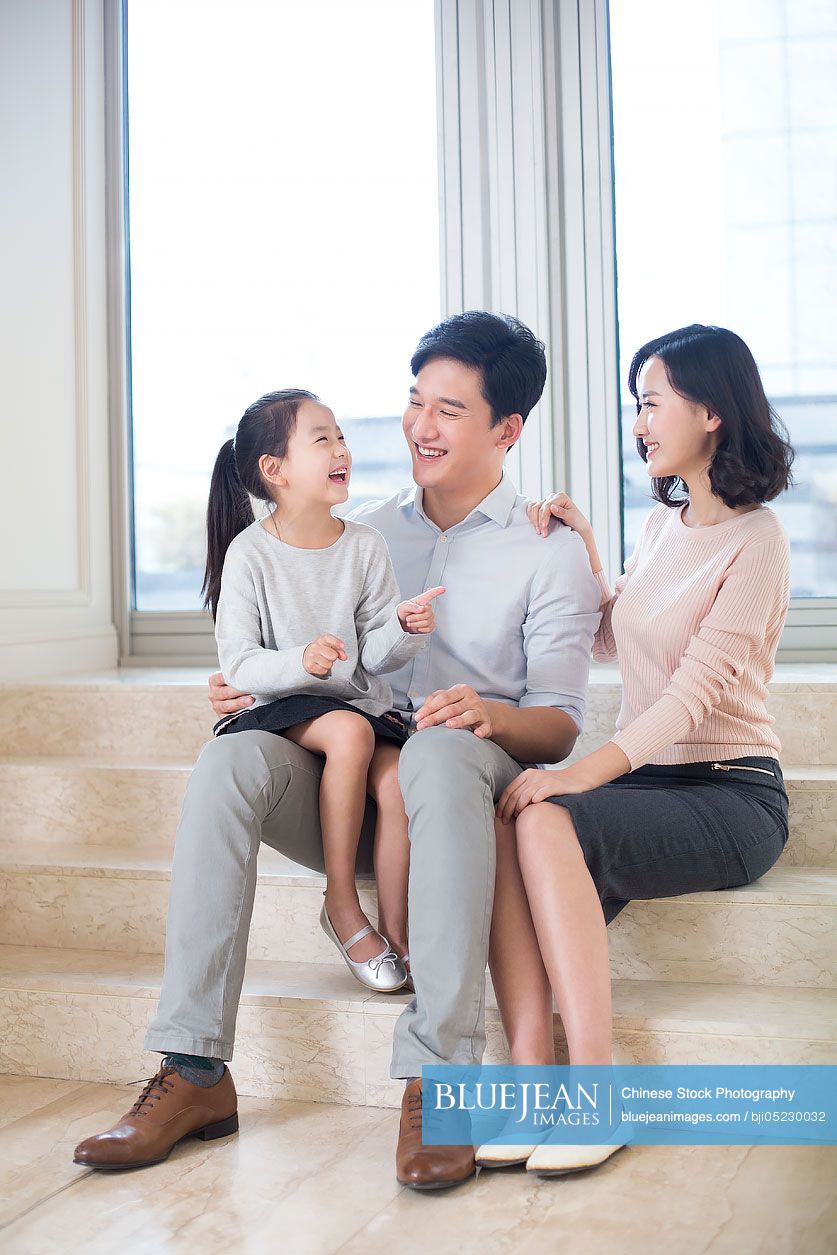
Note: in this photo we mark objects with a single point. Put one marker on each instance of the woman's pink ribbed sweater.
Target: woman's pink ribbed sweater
(695, 622)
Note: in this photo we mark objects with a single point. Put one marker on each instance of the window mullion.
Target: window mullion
(498, 226)
(587, 291)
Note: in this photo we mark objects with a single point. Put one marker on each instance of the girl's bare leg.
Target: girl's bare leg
(517, 970)
(392, 846)
(570, 929)
(347, 740)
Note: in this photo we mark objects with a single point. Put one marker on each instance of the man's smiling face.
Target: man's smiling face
(448, 427)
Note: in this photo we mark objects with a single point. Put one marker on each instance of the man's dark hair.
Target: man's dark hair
(510, 358)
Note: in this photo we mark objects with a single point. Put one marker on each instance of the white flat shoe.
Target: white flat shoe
(384, 973)
(498, 1155)
(554, 1159)
(501, 1154)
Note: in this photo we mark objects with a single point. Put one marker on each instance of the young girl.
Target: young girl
(308, 619)
(688, 794)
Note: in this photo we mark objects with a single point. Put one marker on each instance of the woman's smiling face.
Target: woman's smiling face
(679, 435)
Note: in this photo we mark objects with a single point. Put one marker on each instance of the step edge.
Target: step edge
(785, 675)
(623, 1021)
(714, 897)
(379, 1004)
(810, 778)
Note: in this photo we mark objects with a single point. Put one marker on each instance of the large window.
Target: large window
(287, 227)
(725, 142)
(284, 231)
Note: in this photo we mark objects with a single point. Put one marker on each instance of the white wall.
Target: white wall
(55, 581)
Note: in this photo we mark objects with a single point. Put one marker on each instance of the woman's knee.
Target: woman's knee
(545, 824)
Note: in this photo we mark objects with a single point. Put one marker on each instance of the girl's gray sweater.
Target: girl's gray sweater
(275, 599)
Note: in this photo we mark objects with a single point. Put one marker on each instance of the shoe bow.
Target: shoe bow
(388, 956)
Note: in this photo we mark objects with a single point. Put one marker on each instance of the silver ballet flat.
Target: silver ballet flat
(384, 973)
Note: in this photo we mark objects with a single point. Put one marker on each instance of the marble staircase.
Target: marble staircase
(92, 774)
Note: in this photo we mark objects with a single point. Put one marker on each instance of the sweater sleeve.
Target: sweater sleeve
(245, 663)
(383, 645)
(604, 642)
(755, 591)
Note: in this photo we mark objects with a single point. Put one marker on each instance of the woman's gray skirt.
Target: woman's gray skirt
(661, 831)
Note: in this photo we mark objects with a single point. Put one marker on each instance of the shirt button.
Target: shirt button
(444, 540)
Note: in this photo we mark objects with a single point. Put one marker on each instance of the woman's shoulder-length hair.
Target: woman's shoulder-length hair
(712, 366)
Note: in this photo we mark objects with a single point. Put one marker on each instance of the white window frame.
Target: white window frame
(526, 224)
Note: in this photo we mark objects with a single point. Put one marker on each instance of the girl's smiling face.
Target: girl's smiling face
(317, 466)
(679, 435)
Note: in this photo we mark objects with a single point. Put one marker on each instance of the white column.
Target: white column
(55, 584)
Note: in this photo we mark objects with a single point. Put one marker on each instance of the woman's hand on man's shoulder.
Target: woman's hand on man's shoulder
(557, 506)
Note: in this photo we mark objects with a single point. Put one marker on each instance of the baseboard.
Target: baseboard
(58, 653)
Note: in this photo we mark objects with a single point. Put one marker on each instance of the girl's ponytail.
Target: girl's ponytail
(266, 426)
(229, 511)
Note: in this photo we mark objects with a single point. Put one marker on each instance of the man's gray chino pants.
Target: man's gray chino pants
(257, 786)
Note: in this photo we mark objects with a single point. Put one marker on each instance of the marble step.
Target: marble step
(309, 1031)
(781, 930)
(107, 802)
(164, 713)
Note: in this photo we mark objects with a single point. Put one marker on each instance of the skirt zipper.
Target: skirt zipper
(724, 767)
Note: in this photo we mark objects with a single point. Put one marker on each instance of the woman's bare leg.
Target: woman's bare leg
(347, 740)
(392, 846)
(570, 928)
(517, 970)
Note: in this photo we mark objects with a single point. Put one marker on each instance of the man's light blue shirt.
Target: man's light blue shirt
(520, 612)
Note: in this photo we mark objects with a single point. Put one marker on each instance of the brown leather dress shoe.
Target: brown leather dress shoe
(169, 1109)
(427, 1167)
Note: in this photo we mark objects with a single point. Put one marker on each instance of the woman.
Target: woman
(688, 794)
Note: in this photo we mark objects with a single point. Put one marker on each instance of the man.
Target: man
(502, 683)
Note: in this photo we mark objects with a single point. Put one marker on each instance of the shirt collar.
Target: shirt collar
(497, 506)
(499, 503)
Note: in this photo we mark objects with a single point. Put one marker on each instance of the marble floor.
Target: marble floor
(314, 1178)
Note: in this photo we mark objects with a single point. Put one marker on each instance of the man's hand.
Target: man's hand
(416, 616)
(321, 655)
(223, 699)
(458, 707)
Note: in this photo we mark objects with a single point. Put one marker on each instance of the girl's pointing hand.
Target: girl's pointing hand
(417, 616)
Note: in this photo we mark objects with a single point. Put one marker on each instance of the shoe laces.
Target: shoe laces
(388, 956)
(155, 1088)
(428, 1121)
(414, 1109)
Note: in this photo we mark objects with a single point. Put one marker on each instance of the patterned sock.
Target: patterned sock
(197, 1069)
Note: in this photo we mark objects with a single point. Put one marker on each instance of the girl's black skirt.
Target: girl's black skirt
(287, 712)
